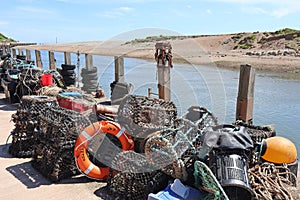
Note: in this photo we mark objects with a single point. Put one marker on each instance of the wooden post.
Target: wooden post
(28, 54)
(149, 92)
(163, 56)
(20, 52)
(38, 59)
(52, 64)
(119, 69)
(67, 57)
(88, 61)
(245, 99)
(14, 53)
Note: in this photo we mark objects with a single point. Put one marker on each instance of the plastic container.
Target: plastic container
(177, 191)
(47, 80)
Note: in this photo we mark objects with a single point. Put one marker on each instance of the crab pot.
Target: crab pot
(230, 168)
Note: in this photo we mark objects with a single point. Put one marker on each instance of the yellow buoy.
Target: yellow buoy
(278, 150)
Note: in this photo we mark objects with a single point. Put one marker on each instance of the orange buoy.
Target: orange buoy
(80, 150)
(278, 150)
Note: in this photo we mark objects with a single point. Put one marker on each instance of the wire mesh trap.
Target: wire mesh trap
(26, 122)
(57, 133)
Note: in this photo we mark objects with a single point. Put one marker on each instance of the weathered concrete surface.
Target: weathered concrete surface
(19, 180)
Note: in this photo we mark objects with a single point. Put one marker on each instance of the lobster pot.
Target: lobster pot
(257, 133)
(136, 186)
(26, 121)
(29, 82)
(231, 169)
(53, 153)
(142, 115)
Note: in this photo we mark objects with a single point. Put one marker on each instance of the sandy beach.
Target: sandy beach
(208, 50)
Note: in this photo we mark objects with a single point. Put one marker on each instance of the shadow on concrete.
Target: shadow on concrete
(6, 106)
(4, 151)
(103, 193)
(31, 178)
(27, 175)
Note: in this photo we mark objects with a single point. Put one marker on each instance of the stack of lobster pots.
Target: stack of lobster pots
(53, 153)
(26, 122)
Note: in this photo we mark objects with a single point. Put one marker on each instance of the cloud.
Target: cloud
(275, 8)
(33, 10)
(281, 12)
(117, 12)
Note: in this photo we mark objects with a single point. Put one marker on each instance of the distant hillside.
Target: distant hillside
(283, 39)
(4, 38)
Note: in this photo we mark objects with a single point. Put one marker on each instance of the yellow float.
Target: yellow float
(278, 150)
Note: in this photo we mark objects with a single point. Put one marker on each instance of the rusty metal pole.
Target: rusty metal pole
(163, 56)
(245, 99)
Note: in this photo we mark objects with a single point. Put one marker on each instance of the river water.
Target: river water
(276, 100)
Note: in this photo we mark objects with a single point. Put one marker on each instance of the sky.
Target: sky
(59, 21)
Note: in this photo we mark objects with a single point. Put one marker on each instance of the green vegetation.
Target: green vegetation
(247, 42)
(284, 31)
(3, 38)
(161, 38)
(237, 37)
(262, 40)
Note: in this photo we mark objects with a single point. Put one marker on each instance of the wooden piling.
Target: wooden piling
(14, 53)
(149, 92)
(119, 69)
(52, 62)
(28, 54)
(88, 61)
(67, 57)
(20, 52)
(245, 99)
(163, 57)
(38, 59)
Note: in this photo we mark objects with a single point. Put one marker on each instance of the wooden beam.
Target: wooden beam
(38, 59)
(28, 54)
(88, 61)
(119, 69)
(245, 99)
(20, 52)
(14, 53)
(67, 56)
(163, 56)
(52, 64)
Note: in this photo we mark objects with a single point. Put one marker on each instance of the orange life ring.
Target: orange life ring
(80, 150)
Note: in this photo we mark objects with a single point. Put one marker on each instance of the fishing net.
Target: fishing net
(206, 181)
